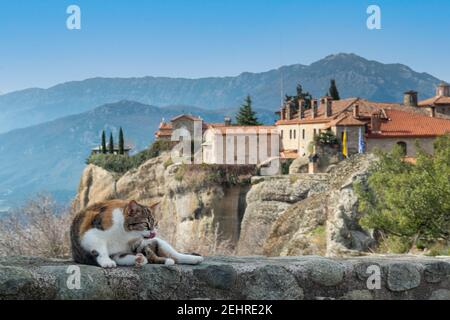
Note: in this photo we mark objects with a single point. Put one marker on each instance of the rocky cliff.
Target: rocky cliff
(194, 213)
(297, 214)
(238, 278)
(304, 214)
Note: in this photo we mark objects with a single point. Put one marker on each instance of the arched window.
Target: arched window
(404, 147)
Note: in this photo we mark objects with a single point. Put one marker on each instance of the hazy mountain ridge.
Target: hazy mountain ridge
(355, 76)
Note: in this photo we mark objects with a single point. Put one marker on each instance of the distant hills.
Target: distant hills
(355, 76)
(51, 156)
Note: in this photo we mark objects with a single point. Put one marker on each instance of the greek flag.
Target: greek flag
(361, 142)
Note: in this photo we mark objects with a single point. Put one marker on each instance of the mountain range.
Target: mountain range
(355, 76)
(46, 134)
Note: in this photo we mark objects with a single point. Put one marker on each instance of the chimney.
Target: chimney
(326, 105)
(227, 121)
(376, 122)
(288, 111)
(356, 111)
(410, 98)
(314, 108)
(301, 111)
(433, 112)
(329, 107)
(443, 90)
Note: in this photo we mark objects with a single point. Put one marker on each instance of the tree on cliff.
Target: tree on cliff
(246, 116)
(410, 202)
(121, 142)
(333, 92)
(111, 144)
(103, 150)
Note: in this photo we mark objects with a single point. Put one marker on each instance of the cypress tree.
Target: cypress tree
(121, 142)
(246, 116)
(334, 93)
(103, 148)
(111, 144)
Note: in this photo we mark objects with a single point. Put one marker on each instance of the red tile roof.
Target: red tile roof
(345, 120)
(165, 126)
(337, 107)
(434, 101)
(406, 124)
(187, 116)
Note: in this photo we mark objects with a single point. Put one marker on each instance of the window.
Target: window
(315, 132)
(404, 147)
(303, 134)
(282, 136)
(295, 134)
(290, 134)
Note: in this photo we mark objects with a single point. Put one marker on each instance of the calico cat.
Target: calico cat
(111, 233)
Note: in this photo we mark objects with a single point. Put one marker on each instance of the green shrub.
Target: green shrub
(112, 162)
(168, 163)
(439, 250)
(409, 201)
(122, 163)
(200, 175)
(326, 138)
(285, 164)
(395, 245)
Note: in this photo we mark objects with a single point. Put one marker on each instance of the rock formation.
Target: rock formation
(194, 215)
(297, 214)
(306, 214)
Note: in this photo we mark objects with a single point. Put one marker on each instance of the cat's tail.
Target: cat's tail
(166, 250)
(79, 255)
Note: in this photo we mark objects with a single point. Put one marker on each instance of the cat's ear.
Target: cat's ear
(154, 206)
(132, 207)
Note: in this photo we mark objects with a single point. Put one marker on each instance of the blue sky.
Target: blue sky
(199, 38)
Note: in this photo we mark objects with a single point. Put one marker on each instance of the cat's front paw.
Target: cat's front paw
(198, 259)
(140, 260)
(169, 262)
(106, 263)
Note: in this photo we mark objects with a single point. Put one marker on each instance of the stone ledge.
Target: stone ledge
(309, 277)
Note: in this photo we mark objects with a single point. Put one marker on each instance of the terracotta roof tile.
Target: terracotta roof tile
(345, 120)
(337, 108)
(437, 100)
(165, 125)
(187, 116)
(406, 124)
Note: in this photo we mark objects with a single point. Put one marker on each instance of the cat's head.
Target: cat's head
(140, 219)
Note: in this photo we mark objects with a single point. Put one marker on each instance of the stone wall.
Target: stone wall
(388, 144)
(244, 278)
